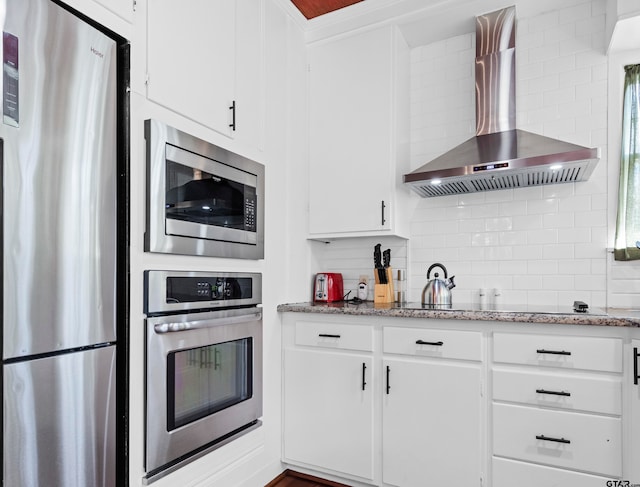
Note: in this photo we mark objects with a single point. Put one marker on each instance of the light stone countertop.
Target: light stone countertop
(518, 314)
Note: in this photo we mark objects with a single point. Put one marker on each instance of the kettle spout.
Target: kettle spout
(449, 283)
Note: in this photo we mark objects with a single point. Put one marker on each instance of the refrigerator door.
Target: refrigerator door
(59, 420)
(59, 132)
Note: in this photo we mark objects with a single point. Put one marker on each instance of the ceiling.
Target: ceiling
(314, 8)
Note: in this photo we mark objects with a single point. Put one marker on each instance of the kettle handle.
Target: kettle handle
(437, 265)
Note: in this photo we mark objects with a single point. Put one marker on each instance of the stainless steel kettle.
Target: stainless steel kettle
(437, 292)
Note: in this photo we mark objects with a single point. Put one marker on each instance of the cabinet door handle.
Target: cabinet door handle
(422, 342)
(553, 352)
(551, 438)
(232, 125)
(382, 206)
(636, 355)
(554, 393)
(364, 367)
(328, 335)
(388, 384)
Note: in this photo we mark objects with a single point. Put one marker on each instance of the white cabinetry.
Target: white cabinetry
(632, 470)
(328, 398)
(556, 410)
(383, 405)
(431, 416)
(358, 135)
(203, 62)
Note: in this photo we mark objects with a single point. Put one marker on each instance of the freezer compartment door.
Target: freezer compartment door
(59, 420)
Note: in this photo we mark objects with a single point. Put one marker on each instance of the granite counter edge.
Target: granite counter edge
(506, 316)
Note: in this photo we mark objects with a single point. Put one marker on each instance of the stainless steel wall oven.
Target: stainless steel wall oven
(201, 198)
(203, 364)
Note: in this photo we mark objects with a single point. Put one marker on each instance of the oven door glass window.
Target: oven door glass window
(197, 196)
(205, 380)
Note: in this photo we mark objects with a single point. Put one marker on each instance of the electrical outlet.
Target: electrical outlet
(364, 279)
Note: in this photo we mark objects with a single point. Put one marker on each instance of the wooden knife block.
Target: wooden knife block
(383, 293)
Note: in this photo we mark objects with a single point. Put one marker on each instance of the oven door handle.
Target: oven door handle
(163, 328)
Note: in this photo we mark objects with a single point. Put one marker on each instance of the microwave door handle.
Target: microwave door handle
(163, 328)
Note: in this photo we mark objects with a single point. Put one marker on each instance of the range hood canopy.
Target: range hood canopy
(500, 156)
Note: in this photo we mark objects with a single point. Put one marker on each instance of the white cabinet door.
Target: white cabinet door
(191, 59)
(250, 74)
(352, 134)
(431, 424)
(328, 415)
(632, 468)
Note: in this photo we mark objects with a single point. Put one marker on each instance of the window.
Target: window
(627, 243)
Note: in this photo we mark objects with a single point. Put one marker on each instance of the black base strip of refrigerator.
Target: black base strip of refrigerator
(36, 356)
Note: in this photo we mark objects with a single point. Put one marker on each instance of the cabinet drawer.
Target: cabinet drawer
(423, 342)
(588, 353)
(507, 473)
(334, 335)
(559, 390)
(558, 438)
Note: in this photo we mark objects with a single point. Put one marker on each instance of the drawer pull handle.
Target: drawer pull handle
(636, 356)
(550, 438)
(364, 367)
(388, 384)
(328, 335)
(422, 342)
(553, 352)
(554, 393)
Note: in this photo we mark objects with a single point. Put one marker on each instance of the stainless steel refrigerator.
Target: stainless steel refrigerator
(60, 147)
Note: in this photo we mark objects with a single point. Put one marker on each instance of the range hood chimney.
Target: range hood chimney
(500, 156)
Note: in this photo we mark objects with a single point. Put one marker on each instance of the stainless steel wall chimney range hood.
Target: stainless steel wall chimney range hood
(500, 156)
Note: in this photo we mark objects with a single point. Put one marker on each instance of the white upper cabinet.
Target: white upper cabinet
(358, 135)
(191, 59)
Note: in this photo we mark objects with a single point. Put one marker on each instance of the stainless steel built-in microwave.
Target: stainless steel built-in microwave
(201, 199)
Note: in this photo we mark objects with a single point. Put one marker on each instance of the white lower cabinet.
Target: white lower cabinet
(509, 473)
(563, 439)
(402, 402)
(556, 410)
(632, 470)
(328, 402)
(430, 429)
(328, 411)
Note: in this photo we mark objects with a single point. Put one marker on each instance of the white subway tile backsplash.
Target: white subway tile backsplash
(498, 224)
(547, 205)
(513, 238)
(528, 282)
(527, 252)
(485, 239)
(562, 221)
(513, 208)
(576, 267)
(574, 235)
(577, 12)
(575, 204)
(558, 251)
(560, 283)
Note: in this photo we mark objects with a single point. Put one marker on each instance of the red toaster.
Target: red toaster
(328, 287)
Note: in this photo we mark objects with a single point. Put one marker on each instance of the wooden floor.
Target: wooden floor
(289, 478)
